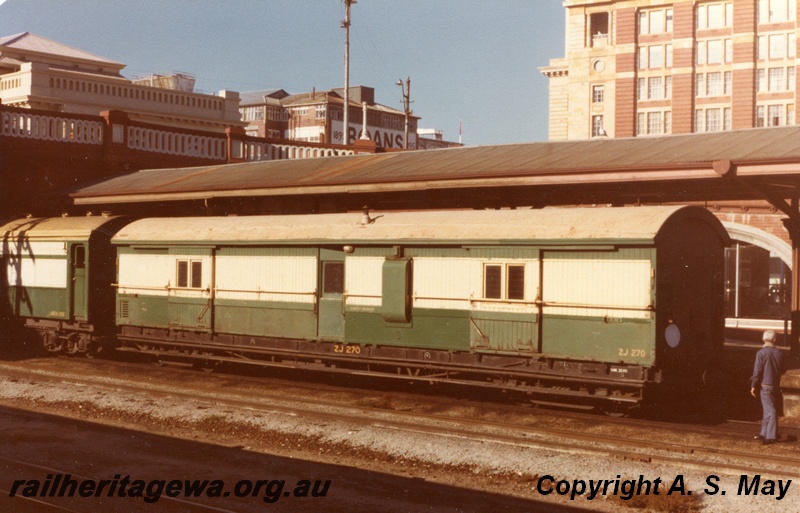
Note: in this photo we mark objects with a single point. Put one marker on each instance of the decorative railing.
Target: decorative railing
(29, 125)
(177, 143)
(131, 144)
(254, 151)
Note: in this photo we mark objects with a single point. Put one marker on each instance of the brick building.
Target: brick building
(644, 68)
(654, 67)
(316, 116)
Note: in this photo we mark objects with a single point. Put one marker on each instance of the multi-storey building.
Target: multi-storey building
(655, 67)
(42, 74)
(317, 116)
(641, 68)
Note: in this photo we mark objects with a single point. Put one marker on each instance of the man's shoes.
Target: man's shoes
(758, 437)
(768, 441)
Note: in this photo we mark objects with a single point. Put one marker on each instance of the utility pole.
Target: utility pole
(346, 27)
(406, 90)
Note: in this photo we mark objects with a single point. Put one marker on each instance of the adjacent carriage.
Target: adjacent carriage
(583, 305)
(56, 275)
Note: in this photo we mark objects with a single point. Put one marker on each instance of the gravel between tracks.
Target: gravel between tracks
(485, 465)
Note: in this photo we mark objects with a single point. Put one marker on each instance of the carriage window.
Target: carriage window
(493, 282)
(79, 256)
(197, 274)
(333, 279)
(516, 281)
(183, 274)
(504, 281)
(187, 280)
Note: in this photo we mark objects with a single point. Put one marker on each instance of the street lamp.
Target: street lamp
(406, 90)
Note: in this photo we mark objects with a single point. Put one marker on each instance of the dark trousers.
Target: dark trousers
(769, 420)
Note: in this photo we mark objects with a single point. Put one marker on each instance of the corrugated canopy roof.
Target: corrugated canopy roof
(623, 163)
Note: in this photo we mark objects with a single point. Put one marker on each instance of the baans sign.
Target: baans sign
(383, 137)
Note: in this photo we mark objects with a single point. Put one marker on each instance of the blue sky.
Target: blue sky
(469, 60)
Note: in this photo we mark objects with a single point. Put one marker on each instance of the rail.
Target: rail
(259, 291)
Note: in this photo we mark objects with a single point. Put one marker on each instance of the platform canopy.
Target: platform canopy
(733, 165)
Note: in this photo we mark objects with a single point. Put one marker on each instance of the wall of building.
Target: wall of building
(39, 86)
(676, 67)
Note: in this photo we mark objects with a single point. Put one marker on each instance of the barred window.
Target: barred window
(504, 281)
(189, 274)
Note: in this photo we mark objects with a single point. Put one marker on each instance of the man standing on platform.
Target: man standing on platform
(767, 373)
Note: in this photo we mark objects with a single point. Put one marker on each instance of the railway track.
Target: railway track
(608, 437)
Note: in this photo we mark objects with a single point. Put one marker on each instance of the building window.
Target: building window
(597, 126)
(656, 21)
(189, 274)
(656, 56)
(713, 120)
(655, 88)
(728, 83)
(761, 80)
(774, 115)
(698, 84)
(715, 15)
(777, 46)
(654, 121)
(598, 94)
(776, 82)
(714, 84)
(504, 281)
(319, 112)
(776, 11)
(598, 28)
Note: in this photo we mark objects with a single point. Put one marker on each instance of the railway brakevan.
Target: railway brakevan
(582, 305)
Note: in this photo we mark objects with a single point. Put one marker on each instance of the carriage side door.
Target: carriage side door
(190, 298)
(331, 295)
(78, 281)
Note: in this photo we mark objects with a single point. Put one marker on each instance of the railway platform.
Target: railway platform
(740, 355)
